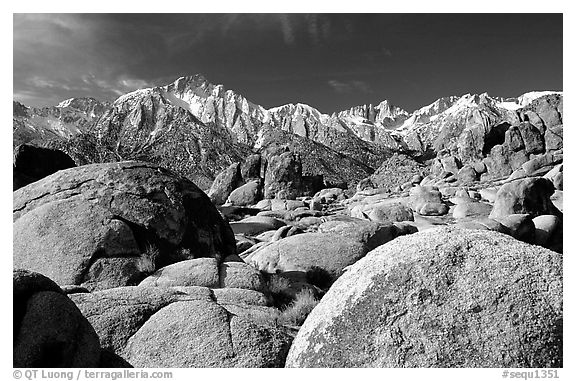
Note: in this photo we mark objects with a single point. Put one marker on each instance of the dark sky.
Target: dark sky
(330, 61)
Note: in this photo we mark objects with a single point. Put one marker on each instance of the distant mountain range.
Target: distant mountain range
(197, 128)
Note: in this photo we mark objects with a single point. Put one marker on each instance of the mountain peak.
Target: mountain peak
(387, 109)
(80, 103)
(191, 81)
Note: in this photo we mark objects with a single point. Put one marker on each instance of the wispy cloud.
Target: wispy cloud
(287, 29)
(104, 56)
(117, 86)
(314, 58)
(313, 29)
(348, 87)
(46, 83)
(62, 56)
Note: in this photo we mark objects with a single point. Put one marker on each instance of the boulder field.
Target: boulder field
(128, 264)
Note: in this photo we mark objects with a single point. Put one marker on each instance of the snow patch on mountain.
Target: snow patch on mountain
(172, 99)
(133, 96)
(524, 99)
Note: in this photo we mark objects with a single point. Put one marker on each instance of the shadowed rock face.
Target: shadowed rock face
(32, 163)
(446, 297)
(108, 225)
(49, 330)
(395, 171)
(319, 159)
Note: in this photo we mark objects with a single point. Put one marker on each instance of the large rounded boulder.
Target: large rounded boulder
(308, 251)
(339, 243)
(49, 330)
(191, 272)
(283, 176)
(371, 234)
(427, 201)
(110, 225)
(445, 297)
(153, 327)
(226, 181)
(247, 194)
(525, 196)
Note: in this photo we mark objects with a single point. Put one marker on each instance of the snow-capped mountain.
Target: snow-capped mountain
(437, 125)
(147, 125)
(214, 126)
(524, 99)
(197, 128)
(214, 104)
(93, 108)
(384, 114)
(67, 119)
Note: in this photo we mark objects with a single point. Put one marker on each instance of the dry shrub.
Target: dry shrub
(299, 309)
(149, 259)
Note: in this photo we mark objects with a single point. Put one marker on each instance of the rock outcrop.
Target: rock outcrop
(338, 243)
(110, 225)
(530, 195)
(49, 330)
(283, 177)
(224, 183)
(446, 297)
(184, 327)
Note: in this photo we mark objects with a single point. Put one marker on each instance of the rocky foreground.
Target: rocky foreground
(129, 264)
(185, 226)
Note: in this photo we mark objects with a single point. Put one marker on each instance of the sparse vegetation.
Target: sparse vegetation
(294, 306)
(149, 258)
(277, 283)
(292, 315)
(279, 289)
(183, 253)
(299, 309)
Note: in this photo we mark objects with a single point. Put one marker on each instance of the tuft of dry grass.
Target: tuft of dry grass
(296, 312)
(148, 259)
(277, 284)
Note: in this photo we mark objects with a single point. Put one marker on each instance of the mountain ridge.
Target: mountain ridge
(206, 118)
